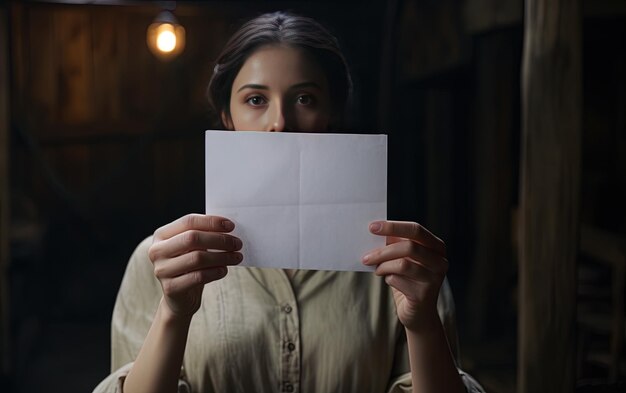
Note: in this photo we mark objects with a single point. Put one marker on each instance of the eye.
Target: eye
(256, 100)
(305, 99)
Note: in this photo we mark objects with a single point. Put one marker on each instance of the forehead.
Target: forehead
(279, 66)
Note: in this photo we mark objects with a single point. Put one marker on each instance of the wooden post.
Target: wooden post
(549, 195)
(4, 193)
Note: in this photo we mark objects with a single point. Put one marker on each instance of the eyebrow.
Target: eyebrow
(305, 84)
(263, 87)
(253, 86)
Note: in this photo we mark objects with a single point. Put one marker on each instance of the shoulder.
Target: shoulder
(140, 259)
(141, 251)
(139, 270)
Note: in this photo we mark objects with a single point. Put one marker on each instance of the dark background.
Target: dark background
(105, 144)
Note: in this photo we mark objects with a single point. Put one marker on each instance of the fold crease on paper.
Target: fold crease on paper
(299, 201)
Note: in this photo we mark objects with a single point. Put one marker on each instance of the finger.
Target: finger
(408, 288)
(181, 284)
(200, 222)
(194, 260)
(405, 268)
(193, 240)
(409, 230)
(393, 239)
(417, 252)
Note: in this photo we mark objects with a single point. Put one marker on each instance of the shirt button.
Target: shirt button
(288, 387)
(291, 347)
(287, 308)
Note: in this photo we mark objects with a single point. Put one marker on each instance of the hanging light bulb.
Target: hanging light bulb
(166, 37)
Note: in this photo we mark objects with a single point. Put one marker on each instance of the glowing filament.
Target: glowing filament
(166, 38)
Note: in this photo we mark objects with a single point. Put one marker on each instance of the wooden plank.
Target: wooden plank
(76, 169)
(603, 246)
(494, 124)
(484, 15)
(609, 249)
(387, 76)
(75, 71)
(604, 8)
(549, 195)
(437, 138)
(419, 55)
(142, 96)
(5, 357)
(19, 63)
(42, 81)
(168, 163)
(108, 29)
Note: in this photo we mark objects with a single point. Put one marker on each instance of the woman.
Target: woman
(268, 329)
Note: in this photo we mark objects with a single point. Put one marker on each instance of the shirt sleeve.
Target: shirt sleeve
(115, 381)
(136, 303)
(401, 375)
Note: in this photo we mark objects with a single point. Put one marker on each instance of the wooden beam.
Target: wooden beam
(485, 15)
(481, 16)
(4, 192)
(604, 8)
(549, 195)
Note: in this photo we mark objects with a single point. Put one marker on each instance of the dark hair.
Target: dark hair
(281, 28)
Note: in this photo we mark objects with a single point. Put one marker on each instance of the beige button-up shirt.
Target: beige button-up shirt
(260, 331)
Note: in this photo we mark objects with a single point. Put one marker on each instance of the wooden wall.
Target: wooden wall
(101, 132)
(96, 113)
(106, 142)
(91, 101)
(5, 364)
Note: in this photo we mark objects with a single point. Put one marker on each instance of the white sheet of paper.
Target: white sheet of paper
(299, 201)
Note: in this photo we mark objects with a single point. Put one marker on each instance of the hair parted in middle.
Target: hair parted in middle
(288, 29)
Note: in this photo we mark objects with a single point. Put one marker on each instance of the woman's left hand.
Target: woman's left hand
(414, 264)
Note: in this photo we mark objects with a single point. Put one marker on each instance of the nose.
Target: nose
(276, 118)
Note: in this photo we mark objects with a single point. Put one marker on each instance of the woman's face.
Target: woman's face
(279, 88)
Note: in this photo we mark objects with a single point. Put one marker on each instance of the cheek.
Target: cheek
(245, 119)
(313, 121)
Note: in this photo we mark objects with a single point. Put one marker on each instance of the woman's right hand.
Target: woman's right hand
(189, 253)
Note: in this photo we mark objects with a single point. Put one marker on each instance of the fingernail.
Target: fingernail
(238, 243)
(376, 227)
(228, 225)
(366, 258)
